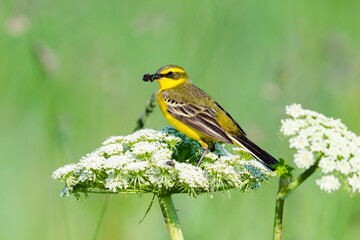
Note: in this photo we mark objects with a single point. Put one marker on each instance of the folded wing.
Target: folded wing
(198, 118)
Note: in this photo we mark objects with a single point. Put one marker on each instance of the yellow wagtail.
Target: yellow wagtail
(194, 113)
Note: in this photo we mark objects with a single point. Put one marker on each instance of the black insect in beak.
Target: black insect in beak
(151, 77)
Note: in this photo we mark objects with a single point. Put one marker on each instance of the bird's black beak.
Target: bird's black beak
(151, 77)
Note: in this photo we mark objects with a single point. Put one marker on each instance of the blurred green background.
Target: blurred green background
(70, 76)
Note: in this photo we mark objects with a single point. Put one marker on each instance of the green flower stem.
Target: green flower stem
(285, 188)
(279, 208)
(170, 217)
(300, 179)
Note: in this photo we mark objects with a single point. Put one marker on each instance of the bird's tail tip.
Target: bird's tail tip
(262, 156)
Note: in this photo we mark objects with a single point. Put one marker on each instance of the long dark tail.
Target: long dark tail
(264, 158)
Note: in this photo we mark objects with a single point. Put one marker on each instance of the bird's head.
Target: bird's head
(168, 76)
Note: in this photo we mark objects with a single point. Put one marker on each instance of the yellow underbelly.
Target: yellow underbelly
(188, 131)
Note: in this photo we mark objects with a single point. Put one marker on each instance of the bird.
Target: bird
(194, 113)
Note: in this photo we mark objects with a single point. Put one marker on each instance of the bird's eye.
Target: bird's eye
(169, 74)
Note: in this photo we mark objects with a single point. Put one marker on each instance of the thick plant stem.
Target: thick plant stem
(170, 217)
(285, 188)
(279, 209)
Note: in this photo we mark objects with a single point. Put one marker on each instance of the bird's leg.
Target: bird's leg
(206, 148)
(202, 156)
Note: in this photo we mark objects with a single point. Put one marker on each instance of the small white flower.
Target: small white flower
(191, 175)
(344, 167)
(211, 155)
(136, 166)
(229, 159)
(304, 159)
(162, 154)
(116, 162)
(319, 146)
(65, 170)
(225, 172)
(299, 142)
(327, 164)
(355, 163)
(290, 127)
(316, 133)
(143, 147)
(112, 149)
(294, 110)
(354, 182)
(172, 139)
(92, 161)
(115, 182)
(328, 183)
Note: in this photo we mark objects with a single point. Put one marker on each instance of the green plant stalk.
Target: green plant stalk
(285, 188)
(279, 208)
(170, 217)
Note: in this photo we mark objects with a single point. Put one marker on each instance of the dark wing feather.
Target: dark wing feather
(265, 158)
(198, 118)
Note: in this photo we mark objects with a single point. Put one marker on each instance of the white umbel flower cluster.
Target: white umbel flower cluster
(313, 136)
(160, 162)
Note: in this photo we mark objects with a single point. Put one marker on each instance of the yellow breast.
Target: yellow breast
(188, 131)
